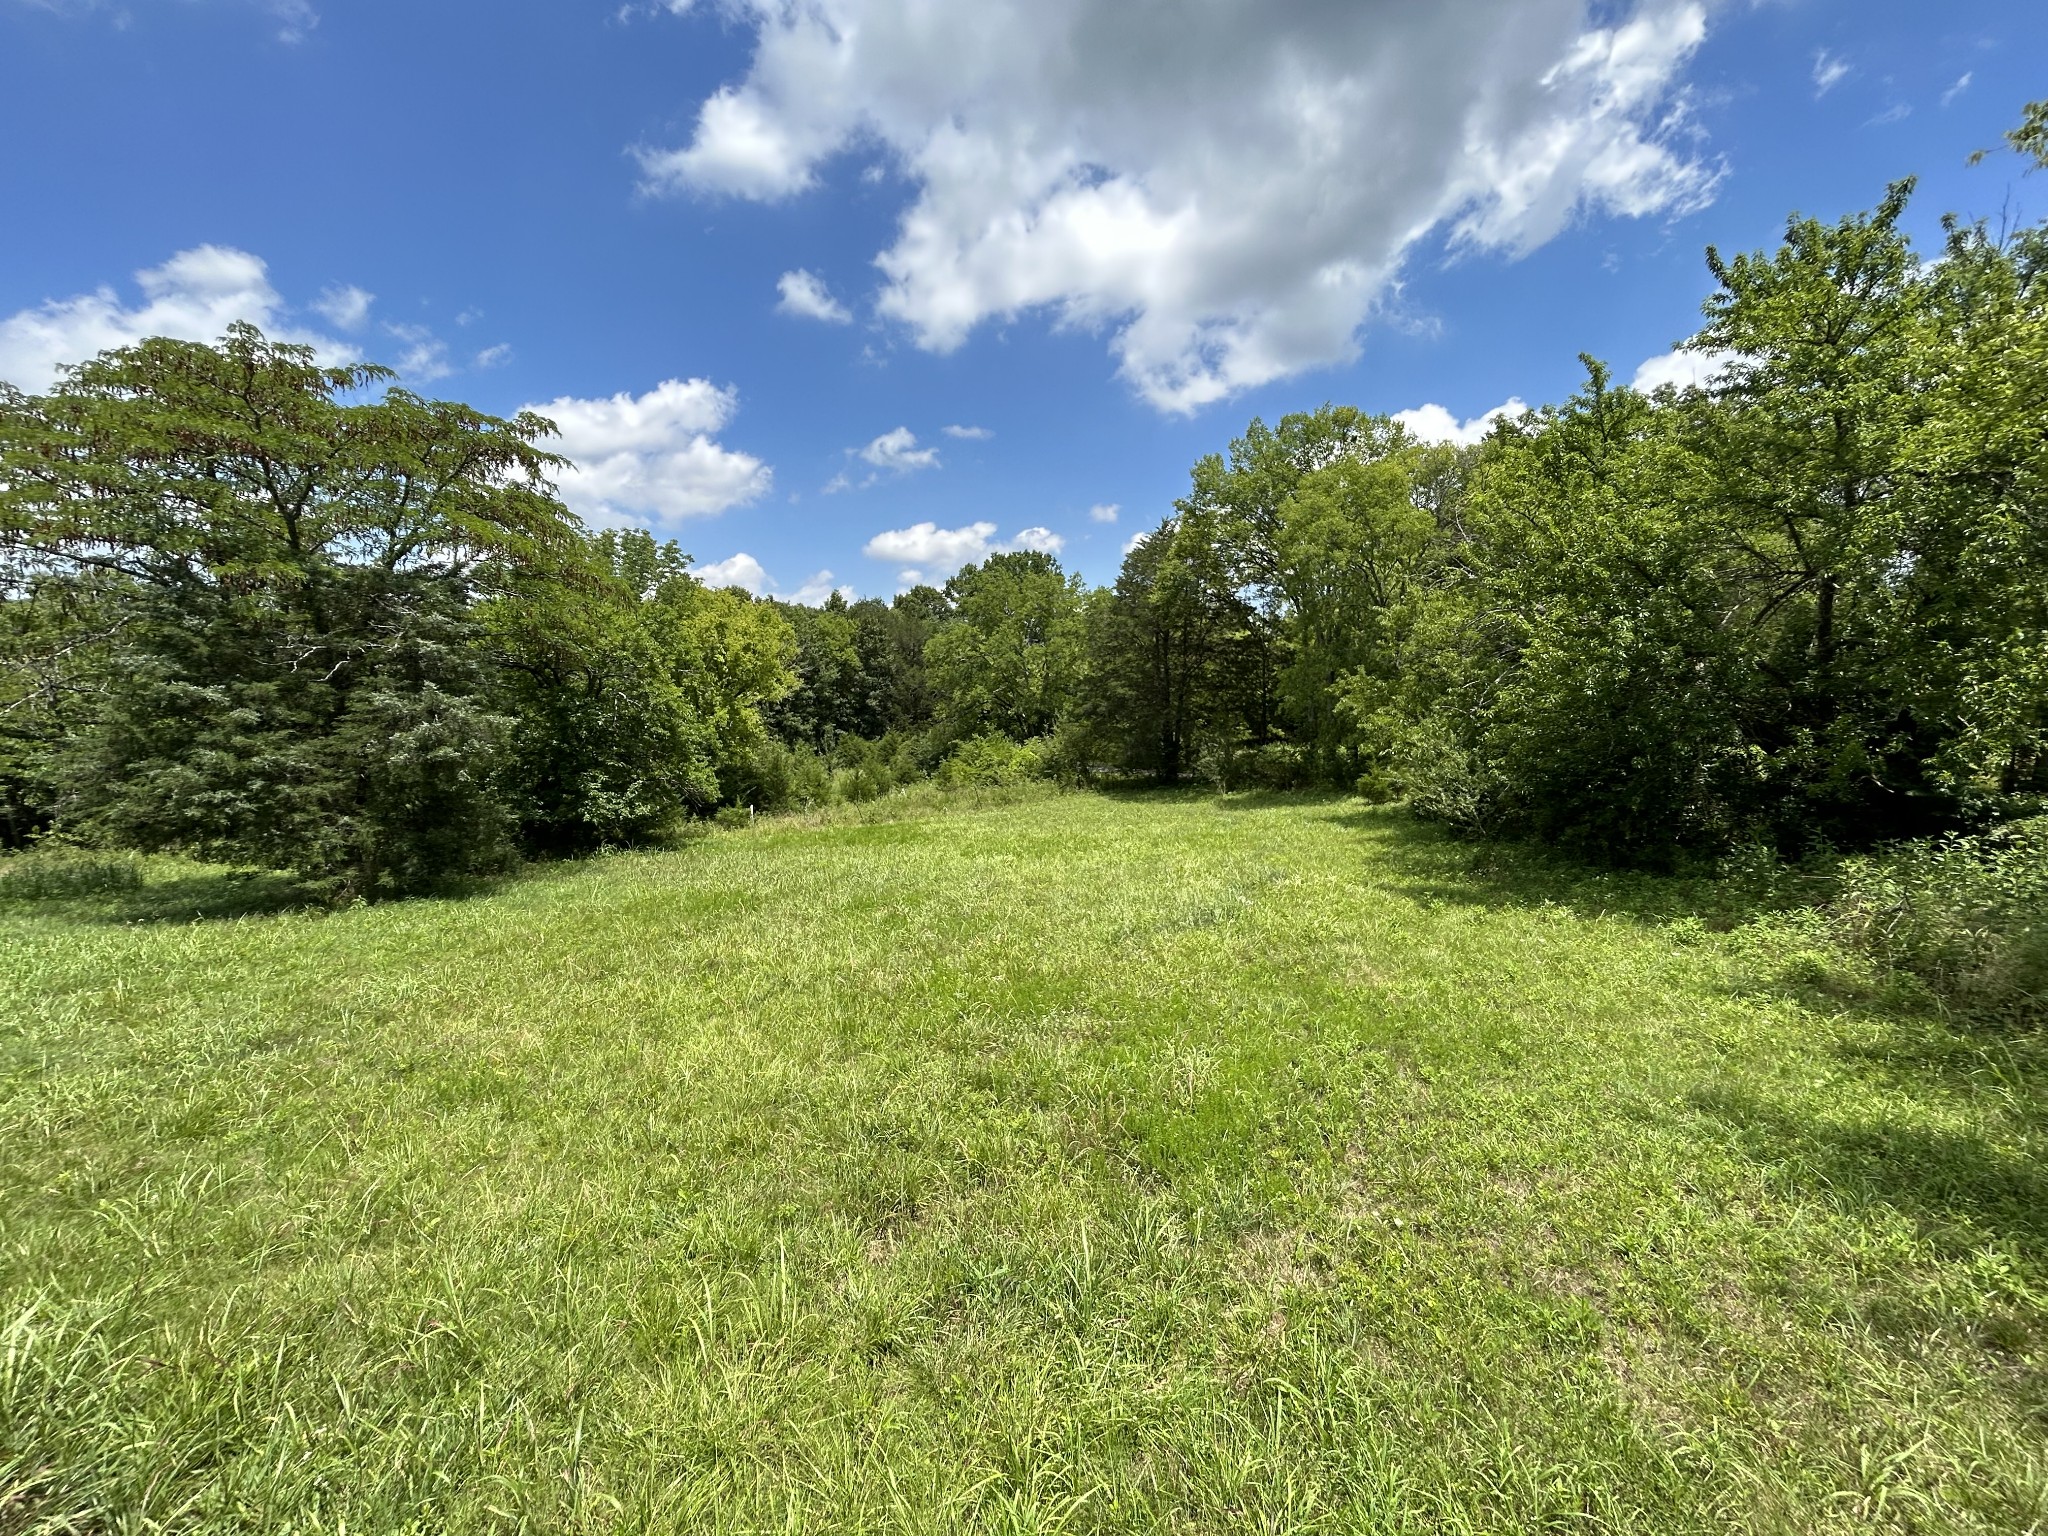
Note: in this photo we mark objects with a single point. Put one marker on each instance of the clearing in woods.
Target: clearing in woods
(1080, 1163)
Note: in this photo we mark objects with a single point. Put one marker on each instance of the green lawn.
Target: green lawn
(1076, 1164)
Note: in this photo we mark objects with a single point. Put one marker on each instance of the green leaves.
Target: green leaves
(272, 581)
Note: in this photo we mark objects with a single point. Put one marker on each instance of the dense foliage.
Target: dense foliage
(253, 618)
(249, 612)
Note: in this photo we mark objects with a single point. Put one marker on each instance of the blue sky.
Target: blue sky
(759, 256)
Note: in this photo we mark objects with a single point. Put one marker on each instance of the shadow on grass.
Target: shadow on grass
(194, 894)
(1977, 1179)
(200, 893)
(1433, 864)
(1957, 1185)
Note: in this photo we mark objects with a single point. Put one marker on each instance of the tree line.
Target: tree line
(253, 610)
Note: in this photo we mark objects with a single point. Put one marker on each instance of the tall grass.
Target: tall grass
(1965, 916)
(1061, 1162)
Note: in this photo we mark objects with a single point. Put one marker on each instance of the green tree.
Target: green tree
(292, 681)
(1009, 658)
(1322, 523)
(634, 690)
(1164, 653)
(1809, 599)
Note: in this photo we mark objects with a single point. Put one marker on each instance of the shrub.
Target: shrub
(866, 770)
(58, 872)
(776, 777)
(992, 761)
(1274, 765)
(1436, 772)
(1966, 916)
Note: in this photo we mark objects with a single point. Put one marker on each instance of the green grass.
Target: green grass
(1080, 1163)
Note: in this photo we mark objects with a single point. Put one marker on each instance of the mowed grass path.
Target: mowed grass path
(1081, 1164)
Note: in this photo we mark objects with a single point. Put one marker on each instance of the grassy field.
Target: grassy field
(1077, 1164)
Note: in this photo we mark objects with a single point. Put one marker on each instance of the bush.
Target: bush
(1436, 772)
(58, 872)
(1070, 753)
(775, 777)
(866, 770)
(993, 762)
(1966, 916)
(1274, 765)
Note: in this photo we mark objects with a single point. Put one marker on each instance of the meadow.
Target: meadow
(1048, 1162)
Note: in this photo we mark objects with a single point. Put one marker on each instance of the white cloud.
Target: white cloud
(1897, 112)
(742, 571)
(905, 580)
(745, 572)
(1230, 200)
(1104, 512)
(653, 456)
(804, 294)
(812, 593)
(1682, 369)
(1957, 89)
(930, 547)
(425, 357)
(898, 453)
(1828, 72)
(491, 357)
(1433, 424)
(295, 19)
(1136, 539)
(936, 553)
(346, 307)
(194, 296)
(969, 434)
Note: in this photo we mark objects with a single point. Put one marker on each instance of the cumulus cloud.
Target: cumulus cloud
(930, 547)
(935, 553)
(195, 296)
(1104, 512)
(1228, 199)
(969, 434)
(346, 307)
(742, 571)
(1433, 424)
(1828, 72)
(745, 572)
(804, 294)
(653, 456)
(813, 592)
(1682, 369)
(898, 453)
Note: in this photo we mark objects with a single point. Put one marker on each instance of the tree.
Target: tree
(1160, 681)
(634, 690)
(1319, 522)
(292, 681)
(1008, 660)
(1808, 600)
